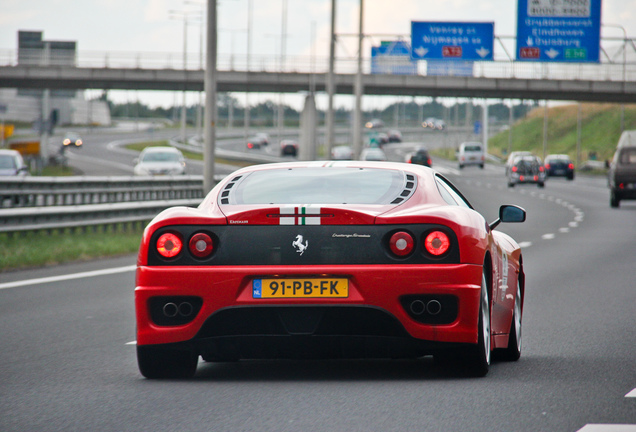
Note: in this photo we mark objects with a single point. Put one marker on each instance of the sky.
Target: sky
(147, 28)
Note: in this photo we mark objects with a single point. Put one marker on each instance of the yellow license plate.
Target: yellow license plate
(300, 288)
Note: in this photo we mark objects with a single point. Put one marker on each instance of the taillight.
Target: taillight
(547, 166)
(514, 169)
(401, 243)
(571, 166)
(541, 169)
(437, 243)
(250, 145)
(201, 245)
(521, 178)
(169, 245)
(428, 162)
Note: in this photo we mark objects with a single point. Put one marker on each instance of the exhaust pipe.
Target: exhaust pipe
(170, 310)
(433, 307)
(185, 309)
(417, 307)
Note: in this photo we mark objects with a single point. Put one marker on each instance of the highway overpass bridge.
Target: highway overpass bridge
(68, 77)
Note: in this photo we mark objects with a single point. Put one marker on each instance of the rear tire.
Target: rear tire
(161, 363)
(513, 351)
(477, 357)
(614, 201)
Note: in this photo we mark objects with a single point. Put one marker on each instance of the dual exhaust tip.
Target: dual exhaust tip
(431, 307)
(183, 309)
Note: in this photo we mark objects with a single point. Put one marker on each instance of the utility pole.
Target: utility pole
(331, 87)
(209, 144)
(357, 113)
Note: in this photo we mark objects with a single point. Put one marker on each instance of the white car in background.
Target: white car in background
(160, 161)
(471, 153)
(12, 164)
(372, 154)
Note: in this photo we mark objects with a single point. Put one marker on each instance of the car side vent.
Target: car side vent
(409, 187)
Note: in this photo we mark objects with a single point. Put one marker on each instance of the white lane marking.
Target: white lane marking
(564, 230)
(547, 236)
(525, 244)
(608, 428)
(631, 394)
(68, 277)
(573, 224)
(131, 343)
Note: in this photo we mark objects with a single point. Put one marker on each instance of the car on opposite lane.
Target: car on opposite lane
(12, 163)
(160, 160)
(328, 259)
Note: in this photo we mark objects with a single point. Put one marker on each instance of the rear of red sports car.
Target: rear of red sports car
(313, 260)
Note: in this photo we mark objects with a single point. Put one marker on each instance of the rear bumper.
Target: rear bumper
(375, 315)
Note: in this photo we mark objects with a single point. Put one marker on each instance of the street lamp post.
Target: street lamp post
(357, 114)
(209, 144)
(618, 26)
(184, 15)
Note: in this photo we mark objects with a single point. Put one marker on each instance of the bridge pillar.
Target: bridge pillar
(308, 122)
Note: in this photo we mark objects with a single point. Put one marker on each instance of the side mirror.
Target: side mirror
(509, 214)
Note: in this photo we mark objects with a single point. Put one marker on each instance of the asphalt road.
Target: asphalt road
(68, 358)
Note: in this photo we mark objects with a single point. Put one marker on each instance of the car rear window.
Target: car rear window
(628, 156)
(161, 157)
(472, 148)
(320, 186)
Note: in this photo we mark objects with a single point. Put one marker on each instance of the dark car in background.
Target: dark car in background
(559, 165)
(622, 175)
(395, 136)
(421, 156)
(288, 148)
(527, 169)
(256, 142)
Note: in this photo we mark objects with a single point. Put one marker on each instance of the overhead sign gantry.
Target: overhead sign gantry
(559, 30)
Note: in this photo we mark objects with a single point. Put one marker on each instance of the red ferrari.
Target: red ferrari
(328, 260)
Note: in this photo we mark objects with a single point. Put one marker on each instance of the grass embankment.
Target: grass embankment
(600, 131)
(22, 251)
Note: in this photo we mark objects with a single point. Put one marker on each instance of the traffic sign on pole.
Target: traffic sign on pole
(559, 30)
(452, 40)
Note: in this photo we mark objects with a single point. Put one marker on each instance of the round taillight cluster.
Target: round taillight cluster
(437, 243)
(401, 243)
(169, 245)
(201, 245)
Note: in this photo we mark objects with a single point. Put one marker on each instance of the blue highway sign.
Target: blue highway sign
(393, 58)
(452, 40)
(559, 30)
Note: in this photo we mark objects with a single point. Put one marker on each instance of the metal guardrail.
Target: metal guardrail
(54, 203)
(82, 190)
(84, 216)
